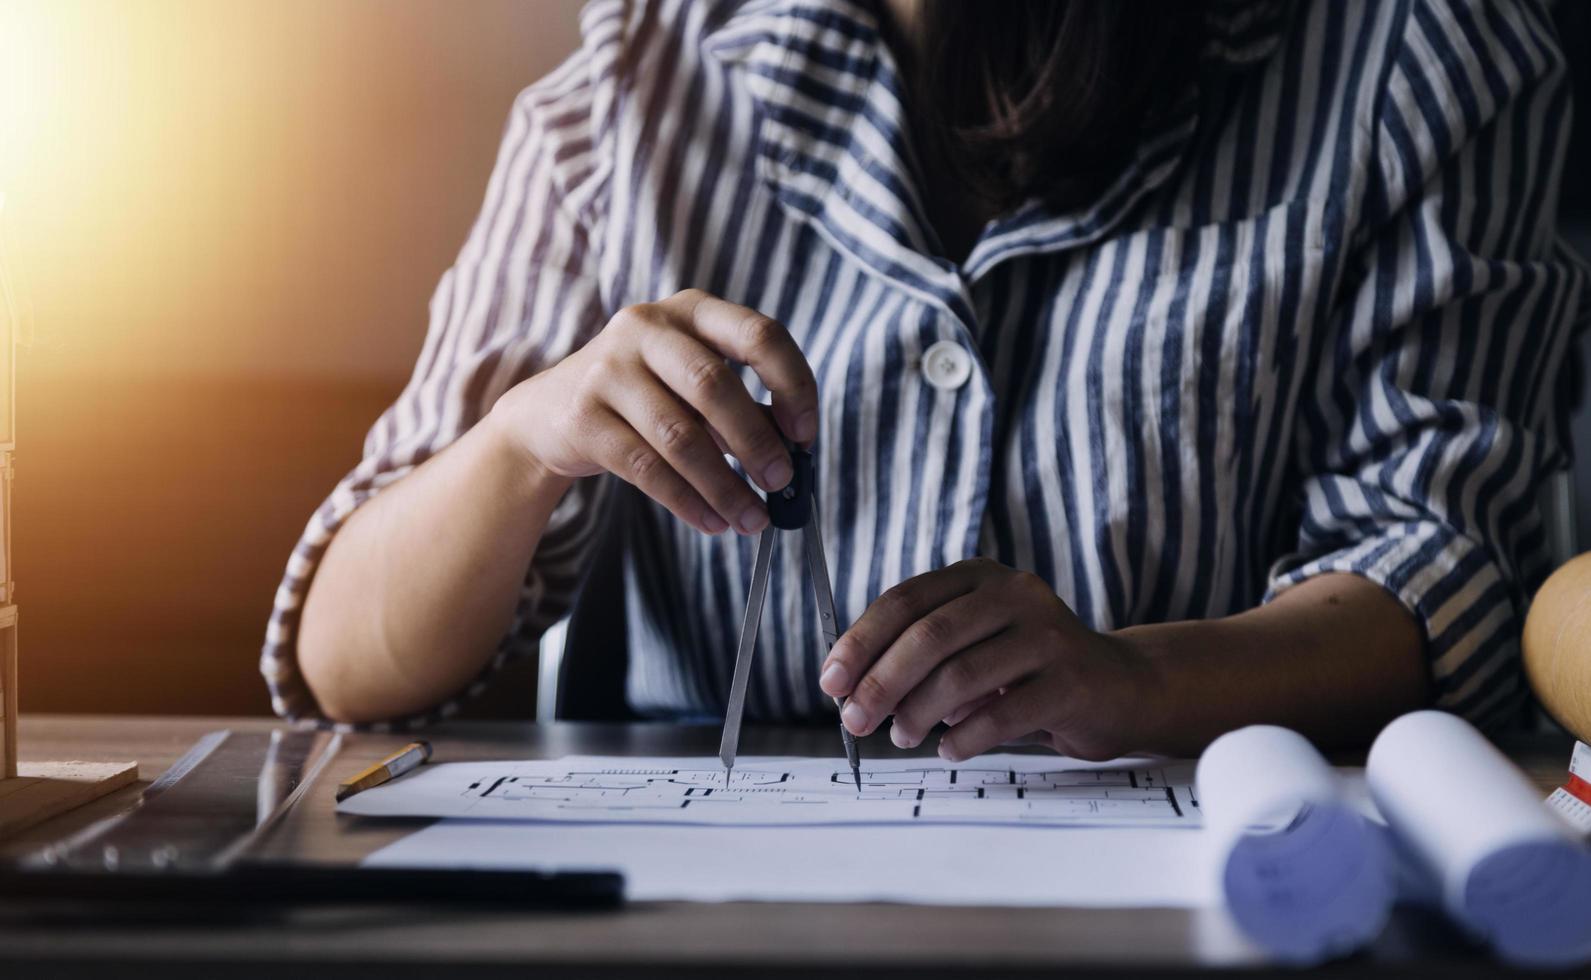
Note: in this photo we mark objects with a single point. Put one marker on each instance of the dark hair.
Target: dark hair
(1045, 98)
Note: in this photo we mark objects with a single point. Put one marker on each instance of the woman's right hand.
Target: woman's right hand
(652, 399)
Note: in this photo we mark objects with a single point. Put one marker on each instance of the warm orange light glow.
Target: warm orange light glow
(190, 178)
(127, 152)
(231, 214)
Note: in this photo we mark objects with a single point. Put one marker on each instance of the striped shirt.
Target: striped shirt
(1316, 324)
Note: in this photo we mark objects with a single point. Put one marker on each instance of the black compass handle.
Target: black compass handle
(791, 508)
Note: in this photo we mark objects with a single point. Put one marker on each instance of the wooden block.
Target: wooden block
(11, 313)
(41, 790)
(7, 471)
(8, 691)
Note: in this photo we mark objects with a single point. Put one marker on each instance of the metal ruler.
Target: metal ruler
(207, 810)
(188, 845)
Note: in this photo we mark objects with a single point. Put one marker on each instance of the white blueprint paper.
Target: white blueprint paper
(1006, 830)
(921, 864)
(1011, 790)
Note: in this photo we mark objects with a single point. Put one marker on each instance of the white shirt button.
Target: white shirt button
(947, 365)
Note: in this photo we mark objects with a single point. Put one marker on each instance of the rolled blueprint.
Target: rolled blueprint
(1467, 820)
(1305, 875)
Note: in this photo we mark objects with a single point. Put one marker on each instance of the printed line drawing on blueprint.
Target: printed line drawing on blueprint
(1005, 789)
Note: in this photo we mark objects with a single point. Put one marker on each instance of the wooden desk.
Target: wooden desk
(652, 940)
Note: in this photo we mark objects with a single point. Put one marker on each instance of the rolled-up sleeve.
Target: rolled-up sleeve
(1437, 410)
(522, 295)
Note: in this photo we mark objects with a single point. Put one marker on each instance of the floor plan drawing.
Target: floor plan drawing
(996, 790)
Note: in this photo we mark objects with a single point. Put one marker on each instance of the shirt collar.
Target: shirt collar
(832, 144)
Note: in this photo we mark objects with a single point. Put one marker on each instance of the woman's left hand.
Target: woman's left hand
(996, 655)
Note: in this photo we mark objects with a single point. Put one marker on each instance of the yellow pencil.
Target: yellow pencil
(404, 760)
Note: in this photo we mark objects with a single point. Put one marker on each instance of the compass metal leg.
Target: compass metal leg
(747, 648)
(818, 572)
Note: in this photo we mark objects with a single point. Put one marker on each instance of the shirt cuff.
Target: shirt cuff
(1457, 595)
(291, 697)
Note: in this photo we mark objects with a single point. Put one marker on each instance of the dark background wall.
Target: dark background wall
(1574, 25)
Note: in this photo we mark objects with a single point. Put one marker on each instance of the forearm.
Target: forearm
(419, 586)
(1334, 657)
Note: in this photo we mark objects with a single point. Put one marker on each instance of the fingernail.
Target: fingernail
(753, 519)
(900, 738)
(713, 523)
(806, 426)
(777, 475)
(945, 753)
(855, 718)
(834, 679)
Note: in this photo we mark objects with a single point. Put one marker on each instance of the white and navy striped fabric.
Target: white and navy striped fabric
(1316, 324)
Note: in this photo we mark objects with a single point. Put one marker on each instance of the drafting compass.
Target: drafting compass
(794, 508)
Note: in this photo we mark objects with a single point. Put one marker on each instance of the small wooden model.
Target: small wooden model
(29, 791)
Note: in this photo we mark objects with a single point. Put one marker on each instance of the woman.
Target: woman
(1169, 368)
